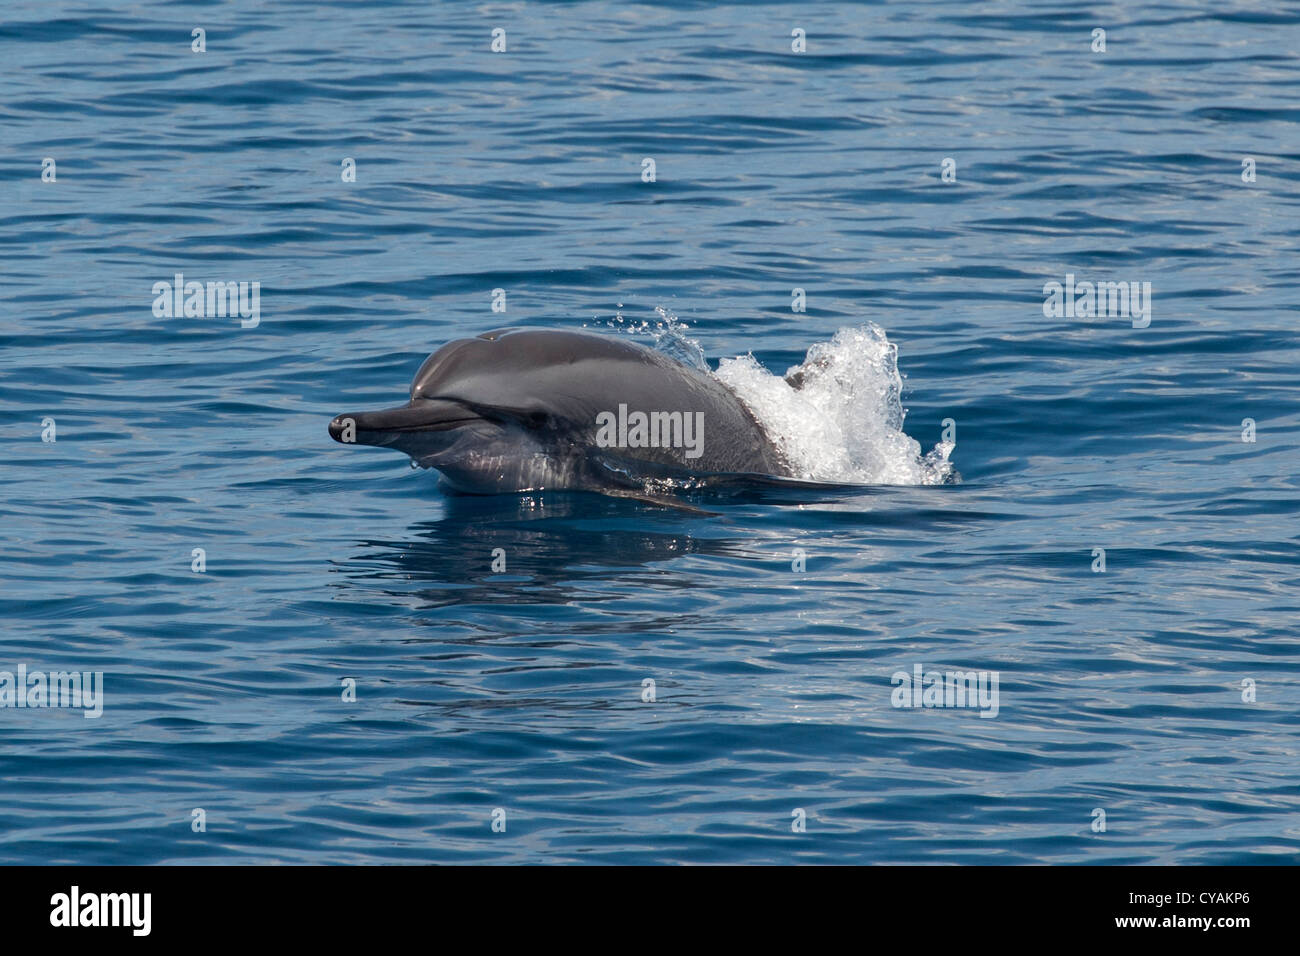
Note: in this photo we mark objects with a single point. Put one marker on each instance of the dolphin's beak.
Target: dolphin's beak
(388, 426)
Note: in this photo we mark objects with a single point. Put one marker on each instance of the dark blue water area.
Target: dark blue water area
(1124, 690)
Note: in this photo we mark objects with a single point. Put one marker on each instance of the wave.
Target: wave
(838, 417)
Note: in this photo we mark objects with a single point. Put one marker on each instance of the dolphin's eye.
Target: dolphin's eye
(536, 419)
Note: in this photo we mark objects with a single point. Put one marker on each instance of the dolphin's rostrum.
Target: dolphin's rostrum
(532, 409)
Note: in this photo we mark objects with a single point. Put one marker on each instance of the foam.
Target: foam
(845, 424)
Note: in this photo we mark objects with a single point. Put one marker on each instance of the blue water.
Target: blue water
(1119, 690)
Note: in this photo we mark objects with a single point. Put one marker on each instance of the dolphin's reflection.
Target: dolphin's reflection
(559, 547)
(555, 547)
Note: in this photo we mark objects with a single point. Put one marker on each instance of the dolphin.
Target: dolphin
(522, 409)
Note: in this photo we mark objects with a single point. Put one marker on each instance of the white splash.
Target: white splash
(669, 335)
(845, 424)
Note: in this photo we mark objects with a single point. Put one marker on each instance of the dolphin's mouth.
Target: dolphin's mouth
(388, 426)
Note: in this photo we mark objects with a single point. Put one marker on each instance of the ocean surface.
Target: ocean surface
(1146, 713)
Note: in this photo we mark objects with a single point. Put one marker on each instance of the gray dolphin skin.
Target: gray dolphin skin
(532, 409)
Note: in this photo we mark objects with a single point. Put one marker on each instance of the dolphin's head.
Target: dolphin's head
(490, 413)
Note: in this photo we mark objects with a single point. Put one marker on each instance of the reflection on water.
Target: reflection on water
(552, 544)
